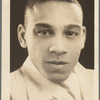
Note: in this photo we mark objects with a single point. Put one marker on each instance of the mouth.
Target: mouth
(57, 62)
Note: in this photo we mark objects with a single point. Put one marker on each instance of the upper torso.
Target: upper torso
(28, 84)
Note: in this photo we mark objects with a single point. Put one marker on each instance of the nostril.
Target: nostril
(64, 52)
(57, 51)
(61, 52)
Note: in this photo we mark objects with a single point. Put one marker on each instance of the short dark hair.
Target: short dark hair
(31, 3)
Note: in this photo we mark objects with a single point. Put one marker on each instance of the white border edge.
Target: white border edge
(96, 50)
(5, 69)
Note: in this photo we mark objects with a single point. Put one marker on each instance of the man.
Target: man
(54, 36)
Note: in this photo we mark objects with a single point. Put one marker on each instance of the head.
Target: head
(54, 36)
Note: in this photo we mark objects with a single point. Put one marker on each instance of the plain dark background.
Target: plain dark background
(18, 54)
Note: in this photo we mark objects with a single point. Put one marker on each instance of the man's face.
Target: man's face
(54, 38)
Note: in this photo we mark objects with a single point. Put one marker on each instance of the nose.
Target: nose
(58, 48)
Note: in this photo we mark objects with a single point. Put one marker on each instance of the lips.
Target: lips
(57, 62)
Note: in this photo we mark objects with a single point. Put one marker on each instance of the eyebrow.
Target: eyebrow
(43, 25)
(71, 26)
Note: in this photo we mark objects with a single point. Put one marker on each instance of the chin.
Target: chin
(58, 78)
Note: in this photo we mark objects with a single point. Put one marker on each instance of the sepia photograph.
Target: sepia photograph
(50, 50)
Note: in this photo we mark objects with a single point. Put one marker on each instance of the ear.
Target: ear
(21, 36)
(83, 37)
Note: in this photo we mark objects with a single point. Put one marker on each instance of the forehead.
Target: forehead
(56, 13)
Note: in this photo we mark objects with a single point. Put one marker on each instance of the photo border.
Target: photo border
(5, 50)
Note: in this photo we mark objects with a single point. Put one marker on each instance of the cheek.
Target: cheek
(75, 46)
(74, 52)
(39, 49)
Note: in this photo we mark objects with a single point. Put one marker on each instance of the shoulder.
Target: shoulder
(16, 77)
(86, 75)
(84, 71)
(15, 74)
(89, 75)
(17, 87)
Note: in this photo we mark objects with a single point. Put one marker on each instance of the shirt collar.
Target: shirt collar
(28, 63)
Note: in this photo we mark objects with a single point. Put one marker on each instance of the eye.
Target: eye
(71, 33)
(44, 32)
